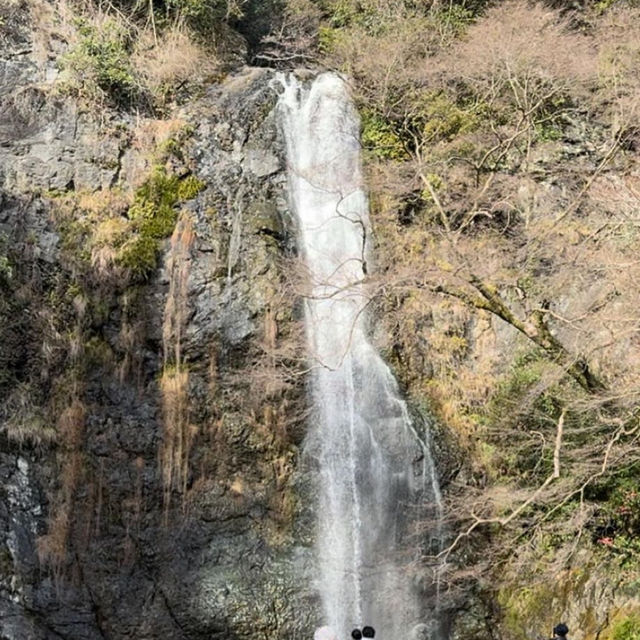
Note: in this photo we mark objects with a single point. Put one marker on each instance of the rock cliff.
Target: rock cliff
(146, 494)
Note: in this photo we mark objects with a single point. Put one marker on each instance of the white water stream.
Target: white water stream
(374, 472)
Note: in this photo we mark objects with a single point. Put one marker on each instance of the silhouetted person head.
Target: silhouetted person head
(561, 630)
(356, 634)
(368, 632)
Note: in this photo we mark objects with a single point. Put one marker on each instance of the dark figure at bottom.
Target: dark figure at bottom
(367, 632)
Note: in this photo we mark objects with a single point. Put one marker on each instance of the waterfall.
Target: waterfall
(374, 472)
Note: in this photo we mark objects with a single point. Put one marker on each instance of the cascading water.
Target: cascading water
(374, 472)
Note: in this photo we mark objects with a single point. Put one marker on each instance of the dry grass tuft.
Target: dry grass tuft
(108, 236)
(152, 134)
(103, 202)
(171, 61)
(178, 433)
(52, 547)
(25, 421)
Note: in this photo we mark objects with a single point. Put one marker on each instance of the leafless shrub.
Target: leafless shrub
(527, 47)
(377, 63)
(294, 37)
(171, 60)
(618, 36)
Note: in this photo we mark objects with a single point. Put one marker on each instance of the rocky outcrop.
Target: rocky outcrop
(592, 605)
(94, 542)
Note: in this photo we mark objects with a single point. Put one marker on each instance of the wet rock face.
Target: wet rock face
(595, 598)
(20, 514)
(227, 555)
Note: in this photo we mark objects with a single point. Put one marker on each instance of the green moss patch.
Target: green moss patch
(627, 629)
(153, 215)
(380, 137)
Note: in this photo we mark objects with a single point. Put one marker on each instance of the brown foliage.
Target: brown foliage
(618, 36)
(53, 546)
(507, 252)
(171, 60)
(294, 36)
(178, 266)
(178, 433)
(525, 45)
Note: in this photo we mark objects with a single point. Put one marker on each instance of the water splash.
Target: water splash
(374, 472)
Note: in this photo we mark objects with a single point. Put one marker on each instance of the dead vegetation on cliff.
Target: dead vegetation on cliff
(179, 433)
(110, 57)
(503, 167)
